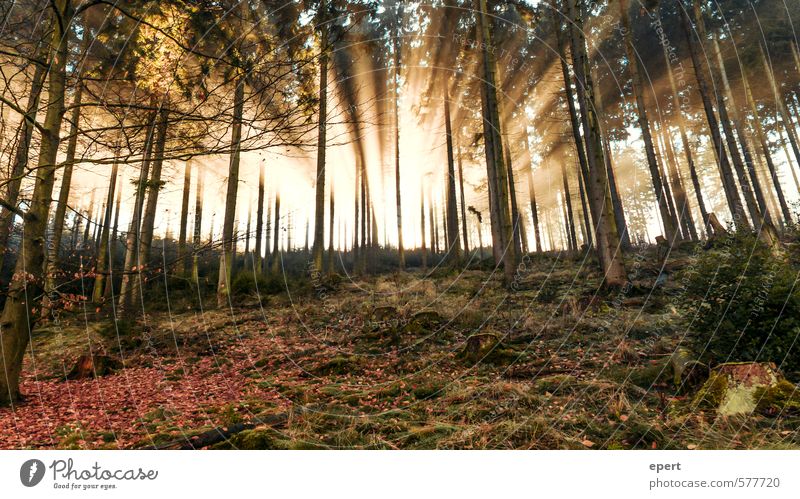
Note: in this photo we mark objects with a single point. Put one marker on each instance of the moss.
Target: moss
(559, 383)
(257, 439)
(479, 346)
(782, 398)
(340, 365)
(712, 393)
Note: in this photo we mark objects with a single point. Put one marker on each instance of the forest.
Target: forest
(399, 224)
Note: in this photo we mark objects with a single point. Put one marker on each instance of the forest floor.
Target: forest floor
(385, 362)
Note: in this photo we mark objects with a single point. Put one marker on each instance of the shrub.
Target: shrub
(246, 283)
(743, 304)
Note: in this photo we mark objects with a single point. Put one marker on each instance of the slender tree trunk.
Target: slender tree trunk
(228, 247)
(276, 258)
(453, 246)
(761, 208)
(773, 171)
(532, 196)
(670, 230)
(17, 320)
(516, 224)
(20, 161)
(134, 229)
(681, 200)
(108, 292)
(187, 185)
(465, 237)
(257, 255)
(332, 207)
(728, 183)
(781, 105)
(678, 115)
(570, 221)
(502, 235)
(396, 83)
(60, 216)
(422, 224)
(198, 224)
(606, 236)
(319, 205)
(103, 252)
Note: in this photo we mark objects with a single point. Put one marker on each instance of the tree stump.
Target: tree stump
(737, 387)
(479, 346)
(92, 366)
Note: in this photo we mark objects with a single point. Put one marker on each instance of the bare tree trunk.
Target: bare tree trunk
(781, 105)
(187, 185)
(257, 255)
(453, 246)
(698, 190)
(24, 137)
(502, 242)
(103, 251)
(228, 247)
(463, 203)
(198, 223)
(516, 224)
(276, 263)
(132, 239)
(761, 208)
(332, 207)
(773, 171)
(570, 221)
(322, 142)
(59, 218)
(728, 183)
(681, 200)
(17, 320)
(399, 207)
(108, 292)
(532, 195)
(606, 235)
(670, 231)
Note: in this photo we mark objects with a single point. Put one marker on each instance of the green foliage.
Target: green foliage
(743, 304)
(246, 283)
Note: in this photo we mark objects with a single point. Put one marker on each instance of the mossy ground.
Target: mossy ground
(379, 363)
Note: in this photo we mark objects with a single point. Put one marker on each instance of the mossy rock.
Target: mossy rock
(479, 346)
(384, 313)
(426, 321)
(340, 365)
(781, 399)
(733, 388)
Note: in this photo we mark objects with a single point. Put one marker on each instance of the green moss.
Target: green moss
(340, 365)
(782, 398)
(712, 393)
(258, 439)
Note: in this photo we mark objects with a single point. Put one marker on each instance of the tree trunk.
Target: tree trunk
(782, 111)
(257, 254)
(399, 208)
(276, 263)
(761, 208)
(532, 195)
(422, 226)
(187, 185)
(570, 220)
(17, 319)
(678, 115)
(24, 137)
(103, 251)
(332, 207)
(108, 292)
(606, 235)
(228, 247)
(453, 245)
(132, 239)
(198, 223)
(319, 201)
(773, 171)
(728, 183)
(465, 237)
(154, 186)
(670, 230)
